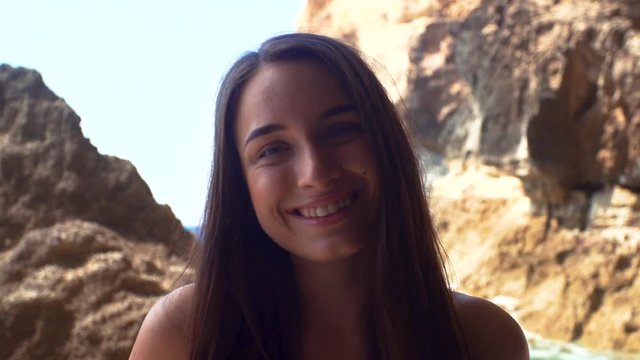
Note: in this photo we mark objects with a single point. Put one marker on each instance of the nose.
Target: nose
(317, 168)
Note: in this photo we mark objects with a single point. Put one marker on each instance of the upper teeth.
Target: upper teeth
(326, 210)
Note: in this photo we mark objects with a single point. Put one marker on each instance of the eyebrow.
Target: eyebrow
(270, 128)
(337, 110)
(261, 131)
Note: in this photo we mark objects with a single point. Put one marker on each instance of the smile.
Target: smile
(326, 210)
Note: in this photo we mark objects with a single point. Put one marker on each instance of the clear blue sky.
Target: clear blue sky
(142, 75)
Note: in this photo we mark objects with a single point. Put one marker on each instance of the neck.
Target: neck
(331, 296)
(329, 290)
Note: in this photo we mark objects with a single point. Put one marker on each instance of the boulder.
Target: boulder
(84, 248)
(77, 290)
(51, 173)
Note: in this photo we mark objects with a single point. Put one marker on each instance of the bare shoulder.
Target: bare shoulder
(163, 334)
(491, 333)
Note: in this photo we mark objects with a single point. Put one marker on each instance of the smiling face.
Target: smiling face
(308, 164)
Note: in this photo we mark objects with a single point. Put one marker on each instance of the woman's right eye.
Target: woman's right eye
(272, 150)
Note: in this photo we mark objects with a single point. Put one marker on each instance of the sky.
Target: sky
(143, 75)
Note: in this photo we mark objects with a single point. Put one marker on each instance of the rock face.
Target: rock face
(544, 98)
(568, 284)
(549, 84)
(84, 248)
(50, 172)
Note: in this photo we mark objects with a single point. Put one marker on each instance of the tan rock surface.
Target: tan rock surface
(84, 248)
(78, 290)
(49, 172)
(544, 87)
(567, 284)
(531, 110)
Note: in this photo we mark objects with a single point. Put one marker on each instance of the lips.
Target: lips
(327, 209)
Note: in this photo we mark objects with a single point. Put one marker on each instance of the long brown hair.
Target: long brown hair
(245, 297)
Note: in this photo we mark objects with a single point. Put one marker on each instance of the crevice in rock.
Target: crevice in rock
(530, 273)
(577, 331)
(634, 11)
(105, 297)
(631, 327)
(547, 222)
(633, 189)
(589, 189)
(587, 102)
(9, 235)
(623, 262)
(142, 287)
(500, 12)
(622, 286)
(562, 256)
(521, 98)
(595, 302)
(74, 256)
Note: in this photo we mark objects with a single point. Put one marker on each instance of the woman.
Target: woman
(318, 243)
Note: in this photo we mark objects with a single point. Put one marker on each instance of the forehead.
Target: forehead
(289, 89)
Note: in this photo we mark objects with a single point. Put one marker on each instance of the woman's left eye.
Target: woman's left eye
(344, 130)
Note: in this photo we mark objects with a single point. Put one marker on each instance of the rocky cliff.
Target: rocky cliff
(84, 248)
(531, 109)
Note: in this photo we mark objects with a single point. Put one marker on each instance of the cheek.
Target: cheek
(362, 161)
(267, 192)
(267, 189)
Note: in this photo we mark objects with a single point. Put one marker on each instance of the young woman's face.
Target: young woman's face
(307, 162)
